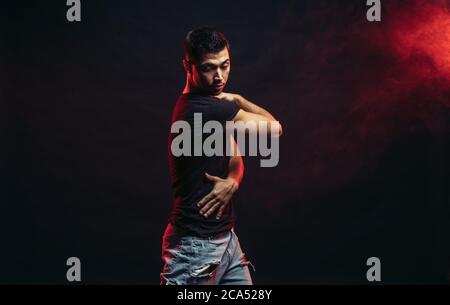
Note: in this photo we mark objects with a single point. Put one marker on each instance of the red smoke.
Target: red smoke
(402, 87)
(424, 30)
(416, 82)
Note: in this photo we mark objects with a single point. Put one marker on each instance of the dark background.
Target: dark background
(364, 168)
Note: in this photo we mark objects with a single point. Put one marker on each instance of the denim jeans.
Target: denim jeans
(216, 260)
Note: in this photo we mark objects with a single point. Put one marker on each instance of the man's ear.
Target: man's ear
(187, 66)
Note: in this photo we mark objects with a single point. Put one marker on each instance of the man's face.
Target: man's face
(210, 74)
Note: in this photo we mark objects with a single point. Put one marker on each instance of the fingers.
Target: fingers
(217, 199)
(213, 178)
(212, 194)
(213, 205)
(220, 212)
(209, 200)
(206, 199)
(205, 211)
(213, 208)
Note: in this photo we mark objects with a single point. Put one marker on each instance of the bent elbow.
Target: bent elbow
(276, 129)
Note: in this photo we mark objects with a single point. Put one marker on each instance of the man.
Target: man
(199, 244)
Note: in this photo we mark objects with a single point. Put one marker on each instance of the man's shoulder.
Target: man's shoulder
(188, 104)
(196, 98)
(195, 103)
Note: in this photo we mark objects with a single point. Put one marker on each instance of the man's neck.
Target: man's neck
(190, 89)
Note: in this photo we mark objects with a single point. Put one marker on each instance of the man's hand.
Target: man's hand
(219, 197)
(228, 97)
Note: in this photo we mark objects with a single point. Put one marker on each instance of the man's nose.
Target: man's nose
(218, 75)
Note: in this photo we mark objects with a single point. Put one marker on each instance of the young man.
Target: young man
(199, 243)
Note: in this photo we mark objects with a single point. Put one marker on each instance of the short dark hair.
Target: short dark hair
(202, 40)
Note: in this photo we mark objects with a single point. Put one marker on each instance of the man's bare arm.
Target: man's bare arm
(250, 112)
(236, 164)
(248, 106)
(224, 189)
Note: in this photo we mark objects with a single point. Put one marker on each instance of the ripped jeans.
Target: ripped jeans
(190, 260)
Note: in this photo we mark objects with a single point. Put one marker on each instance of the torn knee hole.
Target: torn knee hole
(205, 271)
